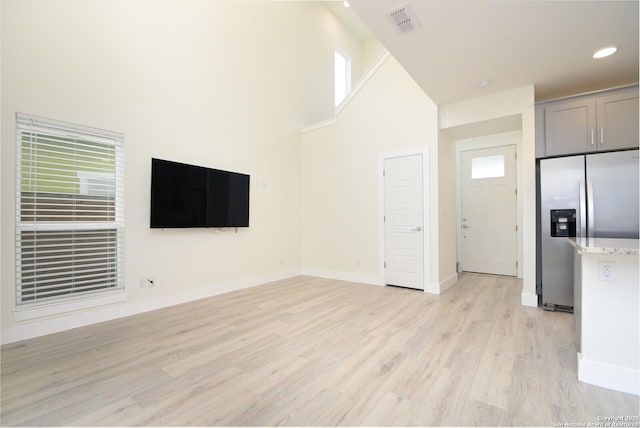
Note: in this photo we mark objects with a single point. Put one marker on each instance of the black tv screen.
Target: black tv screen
(185, 195)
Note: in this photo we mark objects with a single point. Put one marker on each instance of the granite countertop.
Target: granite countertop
(613, 246)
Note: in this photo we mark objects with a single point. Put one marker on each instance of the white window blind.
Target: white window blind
(69, 211)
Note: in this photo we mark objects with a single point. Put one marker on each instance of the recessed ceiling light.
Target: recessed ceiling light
(346, 3)
(485, 83)
(605, 52)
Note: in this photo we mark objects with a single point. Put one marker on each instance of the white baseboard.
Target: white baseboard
(43, 327)
(344, 276)
(607, 376)
(441, 287)
(448, 283)
(433, 288)
(529, 299)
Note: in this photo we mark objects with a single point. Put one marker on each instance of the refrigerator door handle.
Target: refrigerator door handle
(583, 209)
(590, 216)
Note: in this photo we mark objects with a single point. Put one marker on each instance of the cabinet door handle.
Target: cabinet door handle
(583, 209)
(590, 208)
(592, 142)
(602, 136)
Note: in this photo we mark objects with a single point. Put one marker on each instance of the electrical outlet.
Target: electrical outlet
(607, 271)
(148, 281)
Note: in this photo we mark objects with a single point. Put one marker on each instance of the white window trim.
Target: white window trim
(29, 311)
(71, 302)
(347, 76)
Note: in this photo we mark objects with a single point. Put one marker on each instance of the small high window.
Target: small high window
(342, 77)
(487, 167)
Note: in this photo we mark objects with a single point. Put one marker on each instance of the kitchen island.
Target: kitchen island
(607, 312)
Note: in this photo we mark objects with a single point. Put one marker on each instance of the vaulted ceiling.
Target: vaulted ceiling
(458, 44)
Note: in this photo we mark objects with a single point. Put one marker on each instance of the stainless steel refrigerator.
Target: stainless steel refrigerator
(593, 195)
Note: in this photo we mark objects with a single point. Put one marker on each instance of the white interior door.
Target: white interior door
(488, 210)
(403, 226)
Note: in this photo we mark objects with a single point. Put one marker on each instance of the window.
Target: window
(487, 167)
(342, 77)
(69, 211)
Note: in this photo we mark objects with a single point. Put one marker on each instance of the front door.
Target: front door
(403, 226)
(488, 210)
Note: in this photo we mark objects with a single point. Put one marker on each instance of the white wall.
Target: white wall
(447, 224)
(372, 49)
(495, 112)
(220, 84)
(340, 174)
(610, 342)
(333, 35)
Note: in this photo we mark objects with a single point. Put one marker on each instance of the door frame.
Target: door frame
(426, 241)
(511, 138)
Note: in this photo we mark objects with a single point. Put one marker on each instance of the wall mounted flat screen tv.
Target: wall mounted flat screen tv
(185, 195)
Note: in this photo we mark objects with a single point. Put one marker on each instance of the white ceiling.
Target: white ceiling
(349, 19)
(512, 43)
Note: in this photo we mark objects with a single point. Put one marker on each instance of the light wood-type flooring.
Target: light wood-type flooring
(309, 351)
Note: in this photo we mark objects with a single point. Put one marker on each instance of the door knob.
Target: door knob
(417, 229)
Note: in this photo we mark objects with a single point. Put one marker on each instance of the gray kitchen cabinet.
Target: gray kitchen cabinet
(617, 120)
(570, 127)
(604, 121)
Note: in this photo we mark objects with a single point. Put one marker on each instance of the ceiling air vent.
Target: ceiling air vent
(404, 18)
